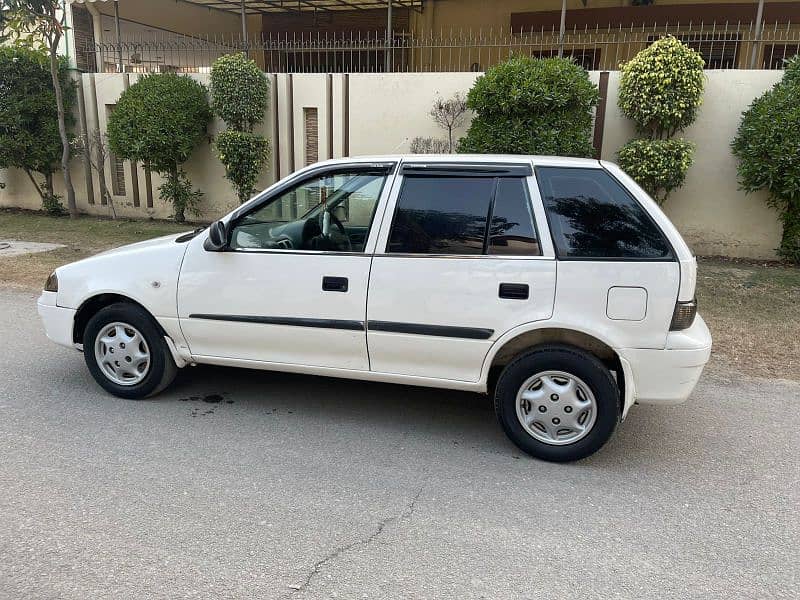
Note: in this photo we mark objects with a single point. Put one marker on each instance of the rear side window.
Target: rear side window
(592, 216)
(441, 215)
(512, 232)
(449, 215)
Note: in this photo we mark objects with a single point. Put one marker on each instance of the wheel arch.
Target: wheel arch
(93, 304)
(514, 344)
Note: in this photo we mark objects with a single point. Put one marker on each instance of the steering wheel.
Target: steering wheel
(335, 220)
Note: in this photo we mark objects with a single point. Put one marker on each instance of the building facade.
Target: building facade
(420, 35)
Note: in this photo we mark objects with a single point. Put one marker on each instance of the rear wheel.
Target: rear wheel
(126, 352)
(557, 403)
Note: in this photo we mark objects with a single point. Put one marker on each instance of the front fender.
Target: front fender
(145, 273)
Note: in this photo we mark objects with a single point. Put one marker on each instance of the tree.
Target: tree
(95, 146)
(449, 115)
(239, 93)
(44, 20)
(661, 90)
(159, 121)
(767, 145)
(29, 135)
(532, 106)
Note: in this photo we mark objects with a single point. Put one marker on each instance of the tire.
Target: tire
(535, 388)
(144, 376)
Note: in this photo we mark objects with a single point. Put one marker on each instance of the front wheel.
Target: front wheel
(557, 403)
(126, 353)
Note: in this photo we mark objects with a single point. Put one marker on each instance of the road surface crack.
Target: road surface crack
(407, 513)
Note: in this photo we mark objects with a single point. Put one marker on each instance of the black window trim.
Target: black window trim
(388, 169)
(455, 173)
(466, 169)
(673, 257)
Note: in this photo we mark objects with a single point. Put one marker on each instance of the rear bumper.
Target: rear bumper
(667, 376)
(58, 321)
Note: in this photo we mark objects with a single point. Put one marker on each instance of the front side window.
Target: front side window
(449, 215)
(592, 216)
(332, 212)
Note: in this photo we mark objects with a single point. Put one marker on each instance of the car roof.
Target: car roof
(549, 161)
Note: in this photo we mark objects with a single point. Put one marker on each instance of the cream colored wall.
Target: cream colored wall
(387, 110)
(711, 212)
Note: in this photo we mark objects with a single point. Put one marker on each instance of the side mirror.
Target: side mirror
(217, 237)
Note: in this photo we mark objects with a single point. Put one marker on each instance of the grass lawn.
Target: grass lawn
(83, 237)
(753, 309)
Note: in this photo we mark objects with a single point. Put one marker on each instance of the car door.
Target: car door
(291, 285)
(459, 262)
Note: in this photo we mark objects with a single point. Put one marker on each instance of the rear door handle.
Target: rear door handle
(514, 291)
(334, 284)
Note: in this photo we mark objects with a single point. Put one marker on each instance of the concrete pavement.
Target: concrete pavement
(239, 484)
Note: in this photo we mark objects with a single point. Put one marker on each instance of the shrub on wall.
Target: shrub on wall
(659, 166)
(239, 92)
(661, 90)
(243, 155)
(159, 121)
(767, 145)
(29, 136)
(532, 106)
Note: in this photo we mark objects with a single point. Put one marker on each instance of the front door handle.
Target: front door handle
(514, 291)
(334, 284)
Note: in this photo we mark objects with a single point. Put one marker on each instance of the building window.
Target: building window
(311, 130)
(776, 55)
(719, 50)
(588, 58)
(117, 164)
(83, 30)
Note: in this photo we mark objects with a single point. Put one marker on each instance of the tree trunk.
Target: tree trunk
(48, 184)
(62, 127)
(178, 204)
(36, 185)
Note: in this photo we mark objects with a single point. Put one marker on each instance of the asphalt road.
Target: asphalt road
(283, 486)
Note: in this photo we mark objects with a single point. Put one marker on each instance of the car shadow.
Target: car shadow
(461, 419)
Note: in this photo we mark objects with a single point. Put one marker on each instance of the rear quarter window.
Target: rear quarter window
(592, 216)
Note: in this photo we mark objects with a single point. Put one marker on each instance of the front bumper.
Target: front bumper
(667, 376)
(58, 321)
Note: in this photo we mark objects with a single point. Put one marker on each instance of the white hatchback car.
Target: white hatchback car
(555, 283)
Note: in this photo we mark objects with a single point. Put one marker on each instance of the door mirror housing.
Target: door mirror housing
(217, 239)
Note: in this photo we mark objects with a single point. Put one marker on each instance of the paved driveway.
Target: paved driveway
(239, 484)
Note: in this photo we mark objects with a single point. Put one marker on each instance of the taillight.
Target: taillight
(683, 316)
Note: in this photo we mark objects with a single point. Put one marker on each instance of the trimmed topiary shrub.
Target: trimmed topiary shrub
(532, 106)
(661, 90)
(767, 145)
(243, 155)
(659, 166)
(239, 93)
(159, 121)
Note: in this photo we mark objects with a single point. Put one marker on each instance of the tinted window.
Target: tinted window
(592, 216)
(441, 215)
(512, 231)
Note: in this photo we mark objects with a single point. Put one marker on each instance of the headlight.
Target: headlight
(52, 283)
